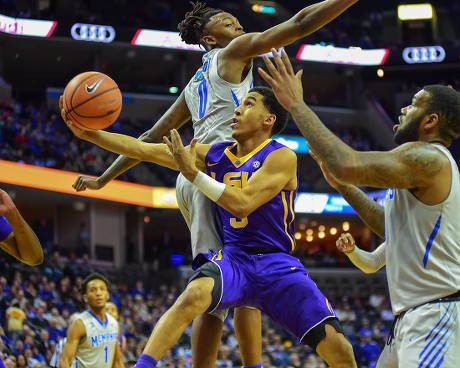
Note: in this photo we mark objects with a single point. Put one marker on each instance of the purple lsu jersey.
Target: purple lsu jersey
(256, 267)
(5, 228)
(269, 226)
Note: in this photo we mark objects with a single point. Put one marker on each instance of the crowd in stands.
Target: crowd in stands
(37, 303)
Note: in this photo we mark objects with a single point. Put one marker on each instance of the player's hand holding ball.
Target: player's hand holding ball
(91, 101)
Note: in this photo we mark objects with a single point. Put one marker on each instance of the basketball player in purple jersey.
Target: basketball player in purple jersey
(16, 236)
(254, 181)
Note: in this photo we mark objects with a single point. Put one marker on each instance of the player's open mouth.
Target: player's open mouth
(395, 127)
(234, 122)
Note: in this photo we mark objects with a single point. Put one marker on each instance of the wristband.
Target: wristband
(210, 187)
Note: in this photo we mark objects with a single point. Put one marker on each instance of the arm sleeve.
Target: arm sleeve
(368, 262)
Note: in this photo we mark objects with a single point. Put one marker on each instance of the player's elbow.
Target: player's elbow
(240, 211)
(34, 260)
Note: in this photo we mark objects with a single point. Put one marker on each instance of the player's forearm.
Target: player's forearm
(28, 247)
(372, 213)
(338, 158)
(64, 362)
(117, 143)
(368, 262)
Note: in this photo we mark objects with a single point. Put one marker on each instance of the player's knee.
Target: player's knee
(197, 296)
(336, 349)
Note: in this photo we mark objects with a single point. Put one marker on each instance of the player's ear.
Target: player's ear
(209, 40)
(432, 121)
(270, 119)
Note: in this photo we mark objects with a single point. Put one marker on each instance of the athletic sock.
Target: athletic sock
(145, 361)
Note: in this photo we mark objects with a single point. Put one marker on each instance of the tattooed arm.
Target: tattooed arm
(415, 165)
(370, 212)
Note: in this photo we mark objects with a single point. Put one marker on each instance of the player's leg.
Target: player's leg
(334, 348)
(248, 331)
(194, 301)
(199, 212)
(206, 337)
(306, 312)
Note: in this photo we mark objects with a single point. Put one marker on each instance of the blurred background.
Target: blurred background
(359, 71)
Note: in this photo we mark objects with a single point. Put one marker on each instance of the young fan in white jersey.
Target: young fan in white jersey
(210, 100)
(92, 339)
(420, 220)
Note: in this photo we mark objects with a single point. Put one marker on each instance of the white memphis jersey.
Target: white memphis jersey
(212, 101)
(97, 349)
(423, 246)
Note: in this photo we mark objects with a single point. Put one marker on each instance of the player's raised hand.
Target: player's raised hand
(345, 243)
(84, 182)
(286, 84)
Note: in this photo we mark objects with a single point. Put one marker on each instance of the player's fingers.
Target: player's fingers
(299, 74)
(61, 102)
(279, 62)
(270, 66)
(286, 62)
(176, 141)
(266, 77)
(168, 143)
(193, 143)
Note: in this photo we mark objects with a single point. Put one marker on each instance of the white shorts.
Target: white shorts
(425, 336)
(201, 217)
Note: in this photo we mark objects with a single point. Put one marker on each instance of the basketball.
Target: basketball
(92, 101)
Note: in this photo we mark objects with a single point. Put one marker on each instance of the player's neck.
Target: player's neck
(246, 146)
(99, 313)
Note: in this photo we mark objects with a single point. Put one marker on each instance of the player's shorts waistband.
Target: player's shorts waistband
(450, 298)
(259, 250)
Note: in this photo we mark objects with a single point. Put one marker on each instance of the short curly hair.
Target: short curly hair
(191, 28)
(91, 277)
(445, 102)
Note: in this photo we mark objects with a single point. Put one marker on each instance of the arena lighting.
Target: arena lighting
(424, 54)
(264, 9)
(164, 39)
(61, 181)
(297, 144)
(338, 55)
(415, 12)
(92, 32)
(27, 27)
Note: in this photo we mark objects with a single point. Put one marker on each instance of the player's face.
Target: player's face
(409, 121)
(249, 116)
(223, 28)
(96, 294)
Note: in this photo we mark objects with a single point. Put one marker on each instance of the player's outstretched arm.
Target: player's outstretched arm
(175, 117)
(24, 244)
(75, 333)
(368, 262)
(304, 23)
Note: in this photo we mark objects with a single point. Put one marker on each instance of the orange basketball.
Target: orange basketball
(92, 100)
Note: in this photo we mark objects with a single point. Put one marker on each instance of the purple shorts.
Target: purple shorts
(276, 283)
